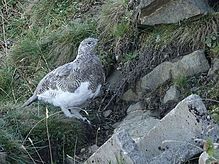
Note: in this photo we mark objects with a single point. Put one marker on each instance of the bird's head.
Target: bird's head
(87, 46)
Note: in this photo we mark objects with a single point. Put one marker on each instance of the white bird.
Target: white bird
(71, 85)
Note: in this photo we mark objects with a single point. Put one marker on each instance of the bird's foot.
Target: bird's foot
(84, 119)
(85, 112)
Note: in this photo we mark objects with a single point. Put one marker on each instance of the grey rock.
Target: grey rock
(180, 125)
(3, 156)
(203, 158)
(116, 125)
(175, 137)
(170, 11)
(130, 95)
(114, 80)
(137, 123)
(172, 94)
(92, 149)
(189, 65)
(157, 77)
(176, 153)
(107, 113)
(120, 147)
(135, 107)
(215, 67)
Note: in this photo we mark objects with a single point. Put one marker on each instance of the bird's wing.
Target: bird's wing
(59, 79)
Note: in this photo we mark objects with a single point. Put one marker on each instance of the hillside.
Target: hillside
(151, 57)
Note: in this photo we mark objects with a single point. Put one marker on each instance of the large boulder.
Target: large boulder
(173, 139)
(170, 11)
(120, 148)
(189, 65)
(137, 122)
(157, 77)
(3, 156)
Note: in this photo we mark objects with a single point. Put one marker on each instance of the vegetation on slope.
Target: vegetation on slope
(46, 34)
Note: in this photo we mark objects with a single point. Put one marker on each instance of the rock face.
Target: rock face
(130, 95)
(120, 148)
(3, 156)
(114, 80)
(172, 94)
(170, 11)
(157, 77)
(215, 67)
(189, 65)
(172, 139)
(137, 122)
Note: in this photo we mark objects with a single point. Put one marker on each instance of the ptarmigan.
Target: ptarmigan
(72, 84)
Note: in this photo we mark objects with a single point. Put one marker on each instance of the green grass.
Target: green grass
(45, 37)
(180, 81)
(17, 125)
(191, 33)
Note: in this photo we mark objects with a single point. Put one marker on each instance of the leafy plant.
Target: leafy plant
(130, 56)
(180, 81)
(212, 152)
(211, 40)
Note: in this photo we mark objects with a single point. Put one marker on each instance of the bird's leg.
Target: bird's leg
(80, 109)
(67, 112)
(75, 113)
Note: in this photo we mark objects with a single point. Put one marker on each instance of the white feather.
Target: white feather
(67, 100)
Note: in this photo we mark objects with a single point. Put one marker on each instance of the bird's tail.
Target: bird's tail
(30, 100)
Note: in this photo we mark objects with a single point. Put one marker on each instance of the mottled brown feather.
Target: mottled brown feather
(69, 76)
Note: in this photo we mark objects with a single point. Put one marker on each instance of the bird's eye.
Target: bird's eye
(89, 43)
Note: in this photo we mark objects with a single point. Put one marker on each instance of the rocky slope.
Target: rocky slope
(160, 101)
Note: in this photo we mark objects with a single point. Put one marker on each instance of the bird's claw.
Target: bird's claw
(86, 120)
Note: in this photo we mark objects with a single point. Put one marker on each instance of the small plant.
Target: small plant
(130, 56)
(212, 151)
(180, 81)
(212, 40)
(214, 109)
